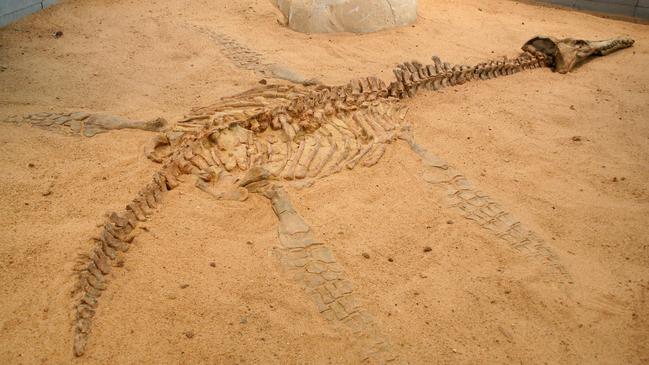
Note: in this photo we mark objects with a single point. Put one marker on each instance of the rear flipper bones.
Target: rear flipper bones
(86, 124)
(314, 267)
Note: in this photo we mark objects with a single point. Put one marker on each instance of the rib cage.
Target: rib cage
(343, 140)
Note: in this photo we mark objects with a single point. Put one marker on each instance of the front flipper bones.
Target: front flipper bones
(477, 206)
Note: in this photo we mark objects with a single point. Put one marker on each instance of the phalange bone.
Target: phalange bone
(185, 166)
(118, 220)
(161, 181)
(97, 283)
(89, 300)
(82, 286)
(82, 325)
(121, 233)
(154, 189)
(140, 201)
(80, 343)
(101, 260)
(84, 312)
(227, 160)
(137, 211)
(92, 269)
(172, 168)
(149, 199)
(112, 241)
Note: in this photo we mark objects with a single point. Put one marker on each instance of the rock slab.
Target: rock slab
(355, 16)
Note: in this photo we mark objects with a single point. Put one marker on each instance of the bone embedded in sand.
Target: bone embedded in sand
(324, 156)
(314, 266)
(342, 150)
(478, 207)
(291, 165)
(312, 146)
(137, 211)
(364, 149)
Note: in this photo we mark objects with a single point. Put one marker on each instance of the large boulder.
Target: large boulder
(357, 16)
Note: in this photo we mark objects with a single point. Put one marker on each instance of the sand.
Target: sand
(469, 300)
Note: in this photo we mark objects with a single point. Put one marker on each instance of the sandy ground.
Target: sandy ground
(471, 300)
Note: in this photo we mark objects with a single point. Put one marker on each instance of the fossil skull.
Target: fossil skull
(566, 53)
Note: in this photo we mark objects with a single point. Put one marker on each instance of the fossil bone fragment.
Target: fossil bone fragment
(247, 59)
(313, 265)
(274, 136)
(87, 124)
(565, 54)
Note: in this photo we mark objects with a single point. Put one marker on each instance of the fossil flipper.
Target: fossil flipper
(248, 59)
(313, 265)
(480, 208)
(86, 124)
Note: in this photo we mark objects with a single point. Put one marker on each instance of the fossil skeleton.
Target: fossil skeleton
(264, 138)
